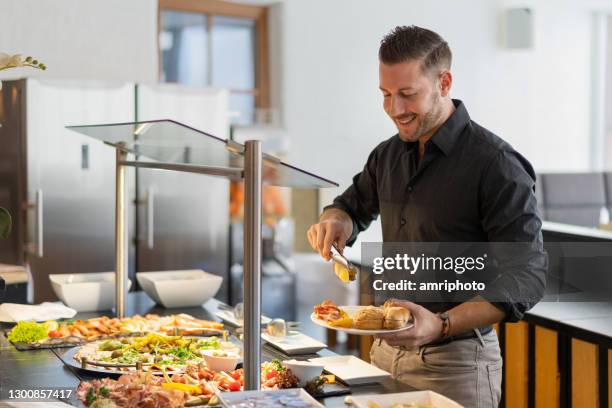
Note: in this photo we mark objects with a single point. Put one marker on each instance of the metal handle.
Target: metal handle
(39, 223)
(150, 217)
(36, 247)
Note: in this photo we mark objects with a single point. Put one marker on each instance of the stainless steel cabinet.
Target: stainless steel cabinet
(183, 218)
(59, 185)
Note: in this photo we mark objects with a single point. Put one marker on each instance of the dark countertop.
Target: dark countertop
(43, 369)
(591, 321)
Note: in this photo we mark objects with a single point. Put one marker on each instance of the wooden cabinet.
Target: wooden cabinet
(585, 384)
(516, 363)
(546, 369)
(555, 367)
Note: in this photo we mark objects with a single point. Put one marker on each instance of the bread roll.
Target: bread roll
(396, 317)
(369, 318)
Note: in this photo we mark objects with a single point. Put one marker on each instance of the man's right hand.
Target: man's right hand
(334, 227)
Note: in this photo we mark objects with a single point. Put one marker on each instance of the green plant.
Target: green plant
(15, 61)
(5, 223)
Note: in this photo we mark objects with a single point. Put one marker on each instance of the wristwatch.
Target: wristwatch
(445, 324)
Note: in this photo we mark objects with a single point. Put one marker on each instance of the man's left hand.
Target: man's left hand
(427, 327)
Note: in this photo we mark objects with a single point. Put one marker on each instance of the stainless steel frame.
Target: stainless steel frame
(121, 235)
(252, 173)
(252, 263)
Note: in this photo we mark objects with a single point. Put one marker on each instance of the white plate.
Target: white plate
(352, 370)
(229, 398)
(295, 343)
(351, 311)
(420, 397)
(228, 317)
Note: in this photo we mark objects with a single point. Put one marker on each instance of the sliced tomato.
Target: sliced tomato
(234, 386)
(271, 374)
(236, 375)
(54, 333)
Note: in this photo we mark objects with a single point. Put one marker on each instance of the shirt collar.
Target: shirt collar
(446, 136)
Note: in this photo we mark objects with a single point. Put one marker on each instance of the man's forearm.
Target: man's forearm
(473, 314)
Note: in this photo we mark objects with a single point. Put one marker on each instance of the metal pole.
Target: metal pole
(121, 239)
(252, 264)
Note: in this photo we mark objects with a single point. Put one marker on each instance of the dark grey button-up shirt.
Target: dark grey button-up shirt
(470, 186)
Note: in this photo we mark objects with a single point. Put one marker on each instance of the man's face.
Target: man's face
(412, 98)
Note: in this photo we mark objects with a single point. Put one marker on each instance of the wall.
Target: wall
(538, 100)
(89, 39)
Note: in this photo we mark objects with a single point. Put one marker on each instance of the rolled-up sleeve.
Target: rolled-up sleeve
(509, 215)
(360, 199)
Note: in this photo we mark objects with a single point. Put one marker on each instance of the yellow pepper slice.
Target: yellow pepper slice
(192, 389)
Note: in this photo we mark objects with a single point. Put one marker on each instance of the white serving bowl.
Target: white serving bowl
(221, 360)
(304, 370)
(180, 288)
(86, 292)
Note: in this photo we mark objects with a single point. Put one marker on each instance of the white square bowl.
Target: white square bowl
(179, 288)
(86, 292)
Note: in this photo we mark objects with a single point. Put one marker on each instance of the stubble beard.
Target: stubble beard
(427, 121)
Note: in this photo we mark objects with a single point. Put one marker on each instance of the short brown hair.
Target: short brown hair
(405, 43)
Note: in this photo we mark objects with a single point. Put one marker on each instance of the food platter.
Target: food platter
(152, 353)
(68, 333)
(351, 311)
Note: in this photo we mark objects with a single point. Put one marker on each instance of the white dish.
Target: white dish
(179, 288)
(221, 363)
(352, 370)
(351, 311)
(228, 317)
(419, 397)
(304, 370)
(229, 399)
(86, 292)
(295, 343)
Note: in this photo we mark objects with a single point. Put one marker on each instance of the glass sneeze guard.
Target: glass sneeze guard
(172, 142)
(170, 145)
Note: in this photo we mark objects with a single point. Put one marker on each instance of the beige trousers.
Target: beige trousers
(467, 371)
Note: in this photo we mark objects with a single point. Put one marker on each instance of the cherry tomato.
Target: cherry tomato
(234, 386)
(54, 333)
(236, 375)
(271, 374)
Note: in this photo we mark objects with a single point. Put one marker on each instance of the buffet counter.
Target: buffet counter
(43, 369)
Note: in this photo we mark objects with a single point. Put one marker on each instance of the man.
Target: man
(442, 178)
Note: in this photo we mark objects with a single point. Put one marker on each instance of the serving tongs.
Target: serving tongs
(343, 268)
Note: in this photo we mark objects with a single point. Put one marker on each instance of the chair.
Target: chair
(574, 198)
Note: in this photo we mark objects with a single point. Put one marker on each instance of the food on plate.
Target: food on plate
(145, 390)
(369, 318)
(155, 352)
(396, 317)
(329, 312)
(80, 331)
(387, 317)
(273, 376)
(315, 386)
(28, 332)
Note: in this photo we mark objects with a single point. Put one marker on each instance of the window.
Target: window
(219, 44)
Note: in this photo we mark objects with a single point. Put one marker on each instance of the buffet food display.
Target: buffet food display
(67, 333)
(177, 360)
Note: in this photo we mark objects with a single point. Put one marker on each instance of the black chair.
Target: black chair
(574, 198)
